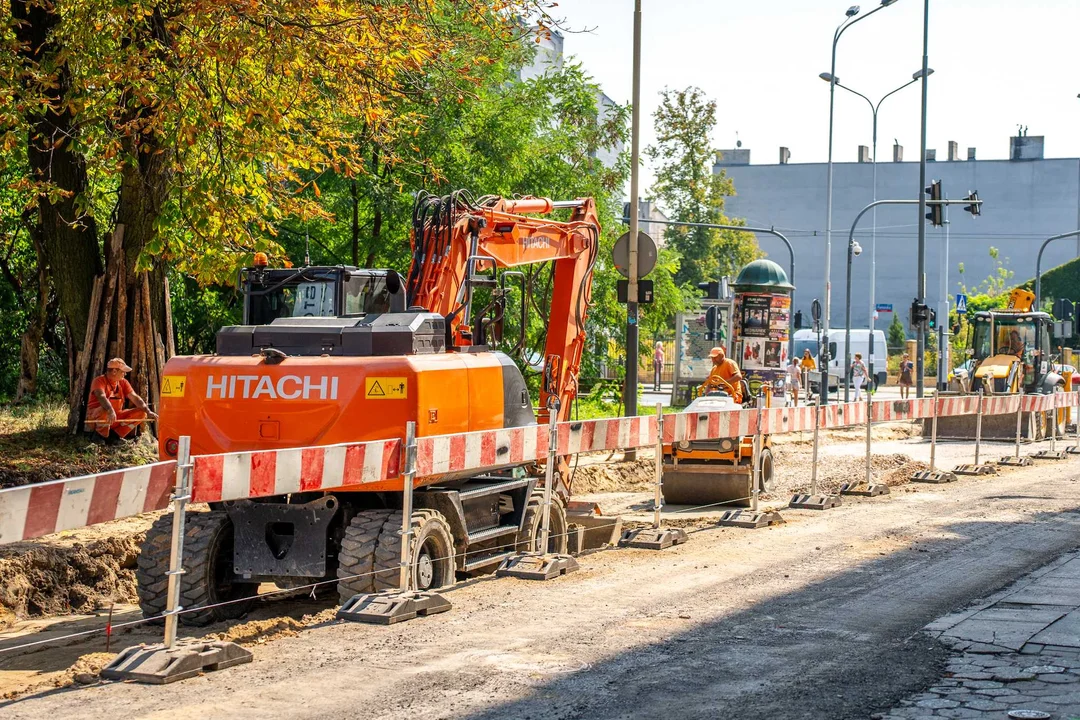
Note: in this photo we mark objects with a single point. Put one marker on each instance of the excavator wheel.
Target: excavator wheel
(432, 552)
(529, 537)
(356, 560)
(208, 577)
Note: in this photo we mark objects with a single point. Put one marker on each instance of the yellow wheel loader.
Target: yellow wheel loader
(1011, 351)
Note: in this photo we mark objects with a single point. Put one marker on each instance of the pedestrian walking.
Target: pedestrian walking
(657, 364)
(858, 375)
(906, 370)
(794, 372)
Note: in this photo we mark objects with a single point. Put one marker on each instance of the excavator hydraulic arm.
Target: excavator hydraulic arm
(455, 238)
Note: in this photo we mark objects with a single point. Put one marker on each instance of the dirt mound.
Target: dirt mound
(55, 580)
(793, 470)
(614, 477)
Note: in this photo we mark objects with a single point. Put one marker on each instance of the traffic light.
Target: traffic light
(936, 215)
(974, 208)
(920, 313)
(711, 289)
(931, 319)
(712, 319)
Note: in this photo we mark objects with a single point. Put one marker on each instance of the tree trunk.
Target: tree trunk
(69, 238)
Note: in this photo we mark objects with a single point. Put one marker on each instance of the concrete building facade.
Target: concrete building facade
(1026, 200)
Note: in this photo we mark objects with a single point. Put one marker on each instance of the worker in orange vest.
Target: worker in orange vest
(725, 375)
(105, 411)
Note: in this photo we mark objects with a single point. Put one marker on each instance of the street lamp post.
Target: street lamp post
(874, 108)
(849, 20)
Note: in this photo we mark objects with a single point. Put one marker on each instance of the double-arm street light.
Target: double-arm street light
(851, 17)
(874, 108)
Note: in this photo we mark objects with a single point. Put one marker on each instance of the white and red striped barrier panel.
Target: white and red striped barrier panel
(45, 508)
(234, 476)
(910, 409)
(1000, 405)
(613, 434)
(484, 449)
(680, 427)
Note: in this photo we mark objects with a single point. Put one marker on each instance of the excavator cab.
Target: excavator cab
(1013, 351)
(338, 291)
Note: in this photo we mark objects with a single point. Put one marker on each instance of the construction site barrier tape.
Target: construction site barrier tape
(41, 509)
(45, 508)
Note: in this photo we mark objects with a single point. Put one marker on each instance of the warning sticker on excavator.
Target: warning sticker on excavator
(386, 388)
(173, 385)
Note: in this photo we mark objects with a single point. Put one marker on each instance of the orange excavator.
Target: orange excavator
(330, 355)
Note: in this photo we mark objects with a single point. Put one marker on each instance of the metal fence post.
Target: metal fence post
(1019, 422)
(172, 660)
(816, 501)
(933, 435)
(978, 426)
(1075, 449)
(869, 425)
(549, 480)
(817, 422)
(658, 500)
(407, 602)
(756, 459)
(181, 495)
(404, 582)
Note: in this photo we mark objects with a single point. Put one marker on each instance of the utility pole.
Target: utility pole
(943, 311)
(630, 395)
(920, 292)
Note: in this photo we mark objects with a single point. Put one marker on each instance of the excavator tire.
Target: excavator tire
(432, 556)
(528, 539)
(208, 577)
(356, 559)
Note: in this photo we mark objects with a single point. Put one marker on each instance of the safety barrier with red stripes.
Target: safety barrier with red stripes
(36, 510)
(31, 511)
(235, 476)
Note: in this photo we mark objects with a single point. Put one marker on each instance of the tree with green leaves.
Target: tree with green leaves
(896, 334)
(689, 191)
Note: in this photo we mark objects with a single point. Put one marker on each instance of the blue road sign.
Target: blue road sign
(961, 303)
(883, 307)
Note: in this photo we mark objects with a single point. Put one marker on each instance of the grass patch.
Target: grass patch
(35, 446)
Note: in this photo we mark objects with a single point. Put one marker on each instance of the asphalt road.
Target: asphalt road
(818, 618)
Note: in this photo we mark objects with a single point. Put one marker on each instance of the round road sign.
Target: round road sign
(620, 254)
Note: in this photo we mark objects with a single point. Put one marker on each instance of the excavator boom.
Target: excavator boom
(454, 238)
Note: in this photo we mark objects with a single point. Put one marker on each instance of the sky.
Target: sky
(997, 64)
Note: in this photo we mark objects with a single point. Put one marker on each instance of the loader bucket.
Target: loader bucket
(720, 484)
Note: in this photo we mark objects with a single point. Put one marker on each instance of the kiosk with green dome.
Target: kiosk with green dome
(761, 327)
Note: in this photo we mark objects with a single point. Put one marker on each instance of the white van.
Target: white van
(860, 343)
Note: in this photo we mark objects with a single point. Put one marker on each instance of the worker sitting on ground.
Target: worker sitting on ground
(724, 376)
(105, 412)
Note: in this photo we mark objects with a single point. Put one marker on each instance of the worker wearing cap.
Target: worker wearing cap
(725, 375)
(105, 412)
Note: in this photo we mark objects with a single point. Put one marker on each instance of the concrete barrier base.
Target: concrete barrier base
(158, 665)
(537, 567)
(650, 538)
(388, 608)
(935, 476)
(982, 469)
(861, 489)
(750, 519)
(814, 502)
